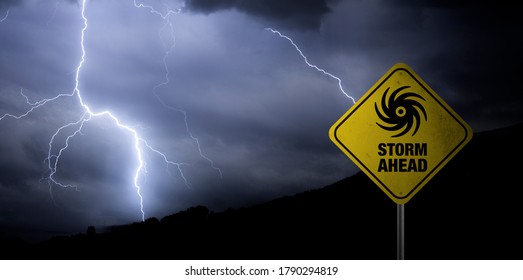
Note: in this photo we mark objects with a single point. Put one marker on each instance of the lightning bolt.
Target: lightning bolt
(54, 158)
(166, 17)
(5, 17)
(33, 105)
(74, 128)
(312, 65)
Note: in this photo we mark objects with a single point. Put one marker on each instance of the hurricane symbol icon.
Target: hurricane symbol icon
(401, 112)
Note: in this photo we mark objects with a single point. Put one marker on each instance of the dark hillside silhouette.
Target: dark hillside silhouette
(470, 210)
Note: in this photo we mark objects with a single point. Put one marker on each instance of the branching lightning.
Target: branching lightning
(312, 65)
(72, 129)
(53, 159)
(168, 49)
(56, 4)
(5, 17)
(33, 105)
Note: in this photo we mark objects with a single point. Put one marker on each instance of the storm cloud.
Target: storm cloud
(294, 14)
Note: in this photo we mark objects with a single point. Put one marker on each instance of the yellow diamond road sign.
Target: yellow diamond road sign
(400, 133)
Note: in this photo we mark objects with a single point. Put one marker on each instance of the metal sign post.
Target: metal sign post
(401, 231)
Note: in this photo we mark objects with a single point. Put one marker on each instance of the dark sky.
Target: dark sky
(253, 107)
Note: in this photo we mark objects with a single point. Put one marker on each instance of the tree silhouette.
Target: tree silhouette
(91, 231)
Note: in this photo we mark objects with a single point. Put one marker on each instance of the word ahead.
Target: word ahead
(394, 164)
